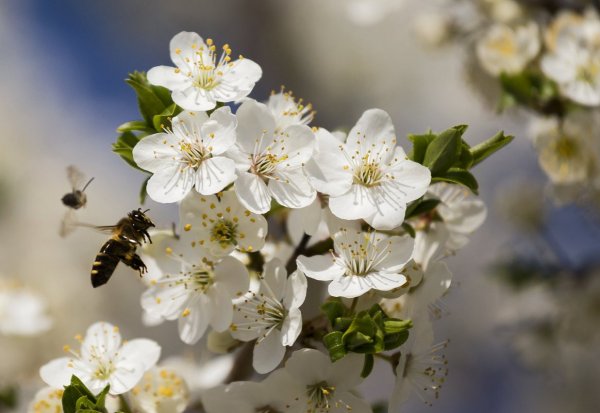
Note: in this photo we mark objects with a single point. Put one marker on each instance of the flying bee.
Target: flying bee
(127, 235)
(76, 198)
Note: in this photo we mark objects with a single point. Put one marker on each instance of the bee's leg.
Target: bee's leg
(136, 263)
(147, 236)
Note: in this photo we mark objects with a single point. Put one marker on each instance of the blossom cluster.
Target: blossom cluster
(266, 201)
(546, 62)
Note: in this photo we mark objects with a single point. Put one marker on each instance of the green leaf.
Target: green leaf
(8, 398)
(367, 366)
(461, 177)
(465, 159)
(150, 98)
(334, 343)
(134, 125)
(532, 89)
(420, 144)
(393, 326)
(124, 148)
(444, 150)
(393, 341)
(333, 308)
(162, 121)
(73, 393)
(101, 397)
(421, 206)
(490, 146)
(409, 229)
(143, 193)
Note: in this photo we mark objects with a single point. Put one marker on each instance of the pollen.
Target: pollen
(186, 312)
(187, 227)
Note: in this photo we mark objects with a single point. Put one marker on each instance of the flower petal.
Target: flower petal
(170, 184)
(295, 290)
(141, 350)
(303, 220)
(268, 352)
(57, 373)
(255, 128)
(238, 80)
(398, 251)
(292, 189)
(214, 174)
(308, 366)
(319, 267)
(233, 275)
(156, 152)
(292, 327)
(329, 170)
(169, 77)
(357, 203)
(193, 325)
(253, 193)
(183, 46)
(373, 134)
(126, 375)
(219, 132)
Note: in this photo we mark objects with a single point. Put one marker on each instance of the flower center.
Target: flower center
(261, 312)
(104, 371)
(205, 70)
(360, 258)
(427, 372)
(202, 280)
(588, 73)
(265, 164)
(319, 396)
(193, 154)
(504, 45)
(368, 173)
(224, 232)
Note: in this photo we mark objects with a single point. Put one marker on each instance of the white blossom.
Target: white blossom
(311, 383)
(22, 312)
(288, 111)
(221, 224)
(504, 49)
(102, 360)
(270, 160)
(199, 295)
(567, 150)
(446, 229)
(367, 177)
(190, 155)
(360, 262)
(574, 60)
(201, 78)
(271, 315)
(422, 369)
(46, 400)
(160, 391)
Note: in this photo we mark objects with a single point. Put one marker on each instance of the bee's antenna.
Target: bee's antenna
(86, 185)
(145, 210)
(174, 229)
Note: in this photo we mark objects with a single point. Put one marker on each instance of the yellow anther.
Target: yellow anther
(186, 312)
(187, 227)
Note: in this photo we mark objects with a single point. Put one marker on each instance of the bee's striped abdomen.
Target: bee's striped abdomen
(105, 263)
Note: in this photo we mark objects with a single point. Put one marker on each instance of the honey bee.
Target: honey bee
(76, 198)
(127, 235)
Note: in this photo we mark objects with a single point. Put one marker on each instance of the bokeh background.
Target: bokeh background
(62, 95)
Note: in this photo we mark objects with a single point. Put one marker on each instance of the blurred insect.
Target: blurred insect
(74, 200)
(127, 235)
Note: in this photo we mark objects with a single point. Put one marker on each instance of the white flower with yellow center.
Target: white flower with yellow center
(360, 262)
(288, 111)
(270, 160)
(221, 224)
(367, 176)
(102, 360)
(201, 78)
(199, 295)
(22, 312)
(567, 151)
(504, 49)
(271, 315)
(574, 63)
(47, 400)
(422, 369)
(190, 155)
(311, 383)
(160, 391)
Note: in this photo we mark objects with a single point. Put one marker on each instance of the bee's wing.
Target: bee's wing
(76, 177)
(68, 224)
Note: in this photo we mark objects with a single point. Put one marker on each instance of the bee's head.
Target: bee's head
(139, 219)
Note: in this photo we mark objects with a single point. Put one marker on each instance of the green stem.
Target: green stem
(123, 405)
(354, 304)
